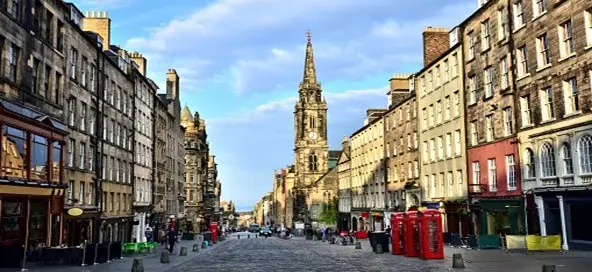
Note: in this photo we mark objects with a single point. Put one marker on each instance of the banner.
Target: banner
(540, 243)
(515, 242)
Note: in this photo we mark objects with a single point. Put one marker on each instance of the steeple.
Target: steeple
(309, 80)
(186, 114)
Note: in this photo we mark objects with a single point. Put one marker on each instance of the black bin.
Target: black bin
(379, 237)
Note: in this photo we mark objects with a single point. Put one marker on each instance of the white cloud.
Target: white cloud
(260, 42)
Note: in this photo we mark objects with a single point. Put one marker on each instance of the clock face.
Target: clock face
(312, 135)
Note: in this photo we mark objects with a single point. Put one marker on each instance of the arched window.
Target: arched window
(547, 160)
(585, 151)
(312, 162)
(312, 122)
(567, 161)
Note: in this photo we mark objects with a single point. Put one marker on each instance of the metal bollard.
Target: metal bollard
(238, 236)
(165, 257)
(183, 251)
(138, 265)
(549, 268)
(109, 252)
(248, 236)
(84, 254)
(458, 262)
(358, 245)
(195, 248)
(379, 249)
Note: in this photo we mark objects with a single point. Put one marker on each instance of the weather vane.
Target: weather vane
(308, 35)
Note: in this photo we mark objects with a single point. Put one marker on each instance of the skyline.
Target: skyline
(254, 63)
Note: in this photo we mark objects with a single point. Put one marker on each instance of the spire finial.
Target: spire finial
(308, 36)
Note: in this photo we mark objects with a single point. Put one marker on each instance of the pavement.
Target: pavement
(298, 254)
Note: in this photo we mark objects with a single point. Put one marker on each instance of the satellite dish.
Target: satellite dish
(75, 212)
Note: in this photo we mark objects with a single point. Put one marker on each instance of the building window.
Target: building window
(454, 61)
(81, 155)
(450, 183)
(543, 56)
(457, 144)
(501, 25)
(567, 161)
(73, 62)
(447, 108)
(438, 112)
(492, 175)
(430, 81)
(441, 183)
(91, 121)
(425, 152)
(474, 135)
(416, 169)
(476, 177)
(566, 43)
(91, 158)
(588, 26)
(12, 53)
(522, 61)
(585, 151)
(433, 185)
(547, 111)
(71, 111)
(570, 92)
(82, 116)
(437, 75)
(446, 71)
(90, 194)
(70, 192)
(471, 52)
(432, 150)
(456, 104)
(526, 112)
(424, 114)
(409, 170)
(511, 172)
(448, 145)
(440, 148)
(529, 170)
(519, 19)
(547, 160)
(81, 193)
(415, 140)
(431, 113)
(312, 162)
(489, 128)
(539, 7)
(472, 90)
(485, 35)
(488, 81)
(423, 85)
(71, 151)
(508, 125)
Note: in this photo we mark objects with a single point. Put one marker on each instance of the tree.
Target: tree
(330, 212)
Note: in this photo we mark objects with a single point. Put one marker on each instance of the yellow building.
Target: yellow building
(442, 136)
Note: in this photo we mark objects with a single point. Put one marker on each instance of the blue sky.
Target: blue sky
(240, 62)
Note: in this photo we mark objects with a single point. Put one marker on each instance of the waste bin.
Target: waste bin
(379, 237)
(207, 235)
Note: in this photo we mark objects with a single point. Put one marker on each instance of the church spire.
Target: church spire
(309, 80)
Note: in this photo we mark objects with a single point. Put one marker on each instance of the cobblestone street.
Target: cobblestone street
(298, 254)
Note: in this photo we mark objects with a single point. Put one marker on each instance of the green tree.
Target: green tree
(330, 212)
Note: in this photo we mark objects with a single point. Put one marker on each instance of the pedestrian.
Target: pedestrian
(172, 239)
(162, 236)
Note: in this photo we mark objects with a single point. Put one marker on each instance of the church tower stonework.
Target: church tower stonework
(310, 133)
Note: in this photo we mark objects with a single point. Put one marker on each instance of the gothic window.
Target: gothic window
(529, 159)
(547, 160)
(312, 122)
(312, 162)
(585, 152)
(567, 161)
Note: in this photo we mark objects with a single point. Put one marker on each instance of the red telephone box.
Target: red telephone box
(430, 237)
(398, 233)
(411, 232)
(214, 230)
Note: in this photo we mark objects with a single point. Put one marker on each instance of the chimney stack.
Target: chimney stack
(100, 23)
(399, 89)
(172, 84)
(141, 61)
(436, 41)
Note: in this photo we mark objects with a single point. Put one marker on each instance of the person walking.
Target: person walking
(172, 239)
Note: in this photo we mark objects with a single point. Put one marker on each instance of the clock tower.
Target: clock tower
(310, 126)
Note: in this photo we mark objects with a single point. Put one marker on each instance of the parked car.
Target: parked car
(265, 232)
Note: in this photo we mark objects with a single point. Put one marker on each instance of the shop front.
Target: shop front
(344, 221)
(31, 184)
(498, 216)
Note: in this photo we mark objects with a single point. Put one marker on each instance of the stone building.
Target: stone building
(401, 146)
(289, 197)
(310, 135)
(442, 134)
(279, 197)
(196, 168)
(492, 149)
(344, 185)
(34, 134)
(210, 190)
(169, 153)
(368, 173)
(323, 191)
(552, 43)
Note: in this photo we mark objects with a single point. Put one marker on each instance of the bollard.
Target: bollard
(549, 268)
(256, 236)
(266, 236)
(358, 245)
(379, 249)
(248, 236)
(457, 261)
(183, 251)
(323, 239)
(164, 257)
(238, 236)
(138, 265)
(195, 248)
